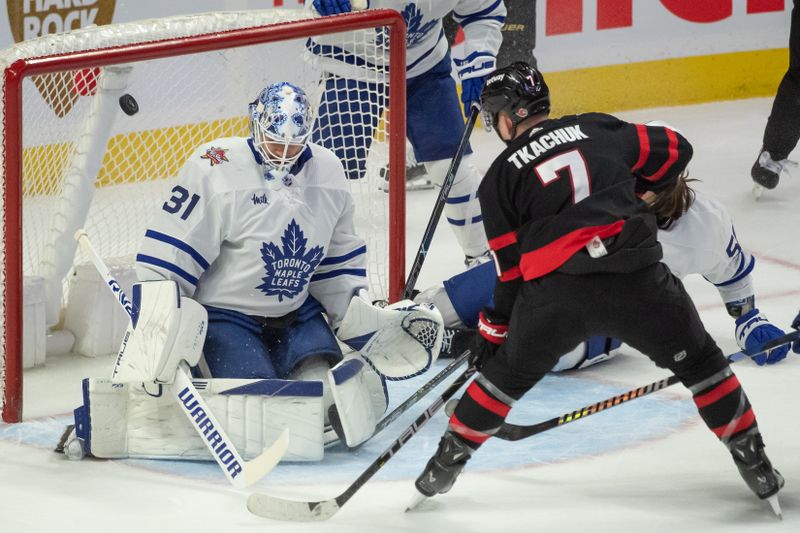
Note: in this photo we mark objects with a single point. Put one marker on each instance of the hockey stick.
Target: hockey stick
(447, 184)
(239, 472)
(514, 432)
(300, 511)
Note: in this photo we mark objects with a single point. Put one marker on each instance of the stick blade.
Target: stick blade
(263, 464)
(267, 506)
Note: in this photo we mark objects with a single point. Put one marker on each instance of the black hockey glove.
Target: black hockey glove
(492, 333)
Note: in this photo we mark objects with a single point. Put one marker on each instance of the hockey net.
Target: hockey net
(72, 157)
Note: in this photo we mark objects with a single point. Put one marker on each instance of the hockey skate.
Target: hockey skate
(754, 466)
(443, 468)
(766, 172)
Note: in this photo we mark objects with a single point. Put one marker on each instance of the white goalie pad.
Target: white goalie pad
(166, 329)
(360, 399)
(400, 341)
(120, 420)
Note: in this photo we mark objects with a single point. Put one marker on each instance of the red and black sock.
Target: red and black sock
(723, 405)
(480, 413)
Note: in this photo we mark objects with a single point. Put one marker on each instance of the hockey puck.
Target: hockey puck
(129, 104)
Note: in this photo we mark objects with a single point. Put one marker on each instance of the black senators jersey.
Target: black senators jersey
(568, 181)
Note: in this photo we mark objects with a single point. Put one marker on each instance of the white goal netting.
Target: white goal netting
(86, 163)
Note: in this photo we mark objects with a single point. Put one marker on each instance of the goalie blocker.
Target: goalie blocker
(132, 416)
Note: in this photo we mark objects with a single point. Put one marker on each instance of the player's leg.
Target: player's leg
(783, 126)
(234, 347)
(661, 320)
(435, 126)
(348, 115)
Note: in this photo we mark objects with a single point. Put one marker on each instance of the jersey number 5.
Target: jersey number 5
(175, 203)
(573, 165)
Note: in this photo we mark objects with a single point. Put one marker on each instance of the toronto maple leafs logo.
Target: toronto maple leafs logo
(289, 267)
(416, 29)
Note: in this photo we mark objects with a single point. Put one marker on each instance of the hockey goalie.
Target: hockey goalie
(252, 273)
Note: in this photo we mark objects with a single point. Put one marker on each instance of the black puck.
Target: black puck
(129, 104)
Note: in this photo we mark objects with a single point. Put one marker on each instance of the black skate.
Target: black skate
(755, 468)
(766, 172)
(443, 468)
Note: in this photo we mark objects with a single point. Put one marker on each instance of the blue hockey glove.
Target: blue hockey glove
(752, 330)
(473, 70)
(796, 325)
(332, 7)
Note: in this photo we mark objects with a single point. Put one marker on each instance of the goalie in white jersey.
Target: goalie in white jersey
(435, 123)
(258, 230)
(697, 237)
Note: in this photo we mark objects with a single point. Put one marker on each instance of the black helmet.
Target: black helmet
(518, 89)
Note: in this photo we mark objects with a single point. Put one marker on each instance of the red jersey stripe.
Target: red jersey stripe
(737, 425)
(717, 393)
(472, 435)
(671, 158)
(511, 274)
(644, 147)
(487, 402)
(503, 240)
(542, 261)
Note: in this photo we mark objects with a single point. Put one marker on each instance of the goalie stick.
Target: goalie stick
(438, 207)
(303, 511)
(239, 472)
(513, 432)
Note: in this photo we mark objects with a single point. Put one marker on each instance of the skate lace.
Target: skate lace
(779, 166)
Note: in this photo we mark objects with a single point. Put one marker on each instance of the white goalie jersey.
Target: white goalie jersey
(232, 241)
(426, 42)
(703, 241)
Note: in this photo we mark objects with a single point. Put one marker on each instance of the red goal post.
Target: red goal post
(15, 153)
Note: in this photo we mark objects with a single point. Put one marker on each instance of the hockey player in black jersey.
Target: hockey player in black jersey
(576, 255)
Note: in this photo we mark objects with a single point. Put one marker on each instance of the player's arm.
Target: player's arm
(655, 154)
(481, 21)
(183, 238)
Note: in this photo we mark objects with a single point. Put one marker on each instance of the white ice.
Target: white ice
(650, 465)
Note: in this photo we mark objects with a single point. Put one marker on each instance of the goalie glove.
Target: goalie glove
(752, 330)
(400, 341)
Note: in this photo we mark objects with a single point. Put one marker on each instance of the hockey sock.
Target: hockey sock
(480, 413)
(724, 406)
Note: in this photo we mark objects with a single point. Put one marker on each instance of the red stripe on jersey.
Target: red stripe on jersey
(644, 147)
(737, 425)
(487, 402)
(465, 432)
(672, 157)
(717, 393)
(542, 261)
(511, 274)
(503, 240)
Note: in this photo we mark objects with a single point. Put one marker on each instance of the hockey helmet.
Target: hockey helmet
(518, 90)
(281, 121)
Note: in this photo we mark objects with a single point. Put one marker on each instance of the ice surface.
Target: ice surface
(649, 465)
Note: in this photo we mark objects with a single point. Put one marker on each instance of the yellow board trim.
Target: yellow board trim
(668, 82)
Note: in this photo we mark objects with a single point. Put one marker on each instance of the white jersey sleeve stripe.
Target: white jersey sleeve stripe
(320, 276)
(426, 54)
(467, 18)
(166, 265)
(179, 244)
(344, 258)
(739, 276)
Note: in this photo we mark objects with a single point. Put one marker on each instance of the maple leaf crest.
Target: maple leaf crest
(416, 30)
(288, 267)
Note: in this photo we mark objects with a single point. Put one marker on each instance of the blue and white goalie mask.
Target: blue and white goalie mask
(280, 124)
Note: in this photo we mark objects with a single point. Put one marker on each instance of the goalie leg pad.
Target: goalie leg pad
(360, 398)
(124, 420)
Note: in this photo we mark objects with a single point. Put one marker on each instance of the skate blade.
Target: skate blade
(776, 506)
(417, 499)
(758, 190)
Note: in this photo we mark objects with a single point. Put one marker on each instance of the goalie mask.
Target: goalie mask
(280, 125)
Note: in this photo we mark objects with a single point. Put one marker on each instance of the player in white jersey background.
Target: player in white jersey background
(435, 122)
(697, 237)
(259, 230)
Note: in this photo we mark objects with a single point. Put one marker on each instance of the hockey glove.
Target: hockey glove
(491, 335)
(332, 7)
(796, 325)
(752, 330)
(473, 70)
